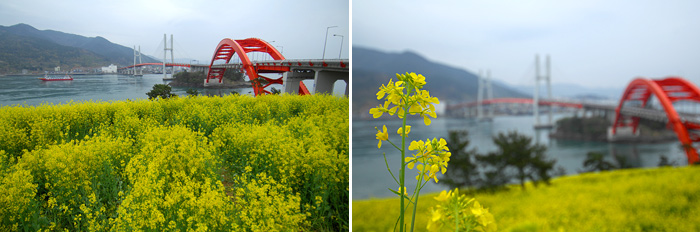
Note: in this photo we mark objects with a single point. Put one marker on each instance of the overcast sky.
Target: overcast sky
(593, 43)
(298, 27)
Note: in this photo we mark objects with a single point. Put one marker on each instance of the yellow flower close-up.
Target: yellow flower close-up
(400, 131)
(382, 135)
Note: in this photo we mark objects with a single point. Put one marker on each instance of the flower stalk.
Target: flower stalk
(402, 98)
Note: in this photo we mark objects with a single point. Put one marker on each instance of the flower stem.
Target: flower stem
(387, 168)
(402, 174)
(416, 193)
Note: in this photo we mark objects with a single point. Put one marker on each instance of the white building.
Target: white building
(110, 69)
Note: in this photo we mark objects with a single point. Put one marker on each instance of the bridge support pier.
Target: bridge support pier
(324, 81)
(292, 79)
(199, 68)
(213, 82)
(626, 133)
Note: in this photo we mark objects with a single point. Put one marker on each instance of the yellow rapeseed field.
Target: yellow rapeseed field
(659, 199)
(234, 163)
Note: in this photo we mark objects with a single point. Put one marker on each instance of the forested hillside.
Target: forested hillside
(25, 47)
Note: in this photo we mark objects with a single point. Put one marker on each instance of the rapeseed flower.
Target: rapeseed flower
(380, 110)
(443, 196)
(477, 210)
(434, 223)
(460, 211)
(382, 135)
(417, 80)
(434, 154)
(415, 100)
(404, 191)
(400, 131)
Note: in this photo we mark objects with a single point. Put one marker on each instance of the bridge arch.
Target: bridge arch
(667, 91)
(227, 48)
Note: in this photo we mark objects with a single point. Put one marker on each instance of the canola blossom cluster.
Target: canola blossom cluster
(234, 163)
(407, 95)
(457, 211)
(433, 153)
(430, 157)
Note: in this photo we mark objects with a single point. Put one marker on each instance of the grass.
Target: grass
(661, 199)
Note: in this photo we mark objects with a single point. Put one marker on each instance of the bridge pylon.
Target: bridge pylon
(140, 61)
(165, 52)
(484, 88)
(536, 97)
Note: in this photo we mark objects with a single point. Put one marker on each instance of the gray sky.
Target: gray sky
(594, 43)
(198, 26)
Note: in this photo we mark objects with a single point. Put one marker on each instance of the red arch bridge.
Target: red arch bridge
(324, 72)
(669, 94)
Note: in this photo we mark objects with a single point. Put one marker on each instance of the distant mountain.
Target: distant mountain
(372, 68)
(19, 52)
(31, 49)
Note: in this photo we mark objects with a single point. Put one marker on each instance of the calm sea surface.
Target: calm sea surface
(370, 177)
(30, 90)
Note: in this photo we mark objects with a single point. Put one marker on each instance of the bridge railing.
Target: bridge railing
(658, 115)
(156, 64)
(335, 64)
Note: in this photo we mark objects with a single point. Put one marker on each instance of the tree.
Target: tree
(494, 167)
(595, 161)
(664, 162)
(160, 90)
(233, 74)
(463, 170)
(192, 92)
(516, 158)
(275, 91)
(190, 78)
(517, 152)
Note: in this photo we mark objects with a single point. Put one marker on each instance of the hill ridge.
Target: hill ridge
(51, 42)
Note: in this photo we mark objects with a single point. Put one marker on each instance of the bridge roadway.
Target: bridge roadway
(652, 114)
(157, 64)
(336, 65)
(339, 65)
(324, 72)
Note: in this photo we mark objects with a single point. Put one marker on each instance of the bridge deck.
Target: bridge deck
(652, 114)
(342, 65)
